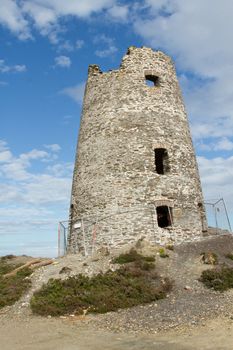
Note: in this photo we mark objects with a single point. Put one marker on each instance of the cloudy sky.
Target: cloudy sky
(45, 49)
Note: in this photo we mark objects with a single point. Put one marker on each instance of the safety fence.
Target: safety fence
(86, 228)
(217, 215)
(216, 212)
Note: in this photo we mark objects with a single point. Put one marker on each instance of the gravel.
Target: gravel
(189, 303)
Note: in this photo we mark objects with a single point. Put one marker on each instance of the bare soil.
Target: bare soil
(191, 317)
(37, 333)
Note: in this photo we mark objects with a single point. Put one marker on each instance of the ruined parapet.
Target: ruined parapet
(135, 168)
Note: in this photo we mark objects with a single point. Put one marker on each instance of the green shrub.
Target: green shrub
(129, 286)
(6, 267)
(209, 258)
(162, 253)
(13, 287)
(132, 256)
(219, 279)
(7, 257)
(145, 265)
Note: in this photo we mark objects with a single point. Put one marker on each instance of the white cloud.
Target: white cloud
(34, 154)
(118, 12)
(107, 52)
(63, 61)
(19, 68)
(75, 92)
(17, 167)
(109, 47)
(198, 35)
(18, 181)
(216, 175)
(42, 14)
(53, 147)
(65, 45)
(4, 68)
(47, 189)
(224, 144)
(45, 15)
(31, 201)
(5, 156)
(12, 17)
(60, 169)
(48, 10)
(79, 44)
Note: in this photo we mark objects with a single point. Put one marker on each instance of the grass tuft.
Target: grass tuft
(170, 246)
(219, 279)
(209, 258)
(162, 253)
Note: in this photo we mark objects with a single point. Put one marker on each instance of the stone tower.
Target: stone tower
(135, 172)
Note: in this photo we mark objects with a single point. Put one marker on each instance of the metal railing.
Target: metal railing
(216, 212)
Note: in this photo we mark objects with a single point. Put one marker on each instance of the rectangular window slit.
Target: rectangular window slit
(161, 161)
(164, 216)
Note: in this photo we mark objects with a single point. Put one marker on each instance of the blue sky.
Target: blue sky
(45, 49)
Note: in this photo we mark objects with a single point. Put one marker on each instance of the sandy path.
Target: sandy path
(34, 333)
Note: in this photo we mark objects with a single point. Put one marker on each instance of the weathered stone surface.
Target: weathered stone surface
(116, 188)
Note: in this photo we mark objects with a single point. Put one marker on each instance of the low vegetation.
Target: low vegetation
(162, 253)
(132, 256)
(209, 258)
(133, 284)
(170, 246)
(219, 279)
(229, 256)
(12, 287)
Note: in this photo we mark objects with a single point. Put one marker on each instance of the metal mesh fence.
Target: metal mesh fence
(217, 214)
(88, 228)
(63, 232)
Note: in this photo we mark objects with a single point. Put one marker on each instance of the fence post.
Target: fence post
(59, 240)
(84, 238)
(228, 220)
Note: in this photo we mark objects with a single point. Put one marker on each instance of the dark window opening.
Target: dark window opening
(164, 216)
(152, 80)
(161, 161)
(72, 206)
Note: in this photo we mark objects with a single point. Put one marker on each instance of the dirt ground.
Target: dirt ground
(35, 333)
(191, 317)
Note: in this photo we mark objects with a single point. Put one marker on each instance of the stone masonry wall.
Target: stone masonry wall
(123, 121)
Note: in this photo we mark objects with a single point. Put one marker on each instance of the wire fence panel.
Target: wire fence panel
(86, 232)
(63, 232)
(217, 215)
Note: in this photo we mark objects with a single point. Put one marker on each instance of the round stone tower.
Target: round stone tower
(135, 172)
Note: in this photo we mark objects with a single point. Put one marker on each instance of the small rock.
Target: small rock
(187, 288)
(65, 269)
(24, 304)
